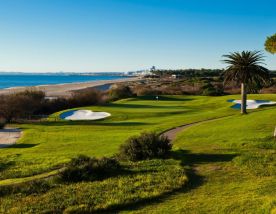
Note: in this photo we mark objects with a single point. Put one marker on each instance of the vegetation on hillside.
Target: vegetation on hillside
(210, 162)
(188, 73)
(2, 123)
(117, 92)
(141, 183)
(84, 168)
(31, 103)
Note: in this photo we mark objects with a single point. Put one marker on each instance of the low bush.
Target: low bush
(210, 90)
(85, 97)
(146, 146)
(81, 98)
(54, 105)
(171, 90)
(84, 168)
(26, 104)
(119, 92)
(2, 123)
(21, 105)
(146, 181)
(142, 90)
(28, 188)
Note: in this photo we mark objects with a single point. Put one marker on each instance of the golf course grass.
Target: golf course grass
(227, 165)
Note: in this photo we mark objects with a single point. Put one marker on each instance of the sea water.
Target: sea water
(22, 80)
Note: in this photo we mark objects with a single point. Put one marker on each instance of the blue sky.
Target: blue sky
(123, 35)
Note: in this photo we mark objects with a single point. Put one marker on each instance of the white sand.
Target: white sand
(254, 104)
(64, 90)
(9, 136)
(87, 115)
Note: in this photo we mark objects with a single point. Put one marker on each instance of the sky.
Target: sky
(129, 35)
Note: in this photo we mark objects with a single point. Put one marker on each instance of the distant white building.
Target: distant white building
(139, 73)
(176, 76)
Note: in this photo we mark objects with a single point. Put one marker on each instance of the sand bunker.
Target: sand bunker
(83, 115)
(251, 104)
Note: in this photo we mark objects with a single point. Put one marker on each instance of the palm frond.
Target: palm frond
(246, 67)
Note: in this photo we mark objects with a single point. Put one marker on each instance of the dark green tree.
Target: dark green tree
(246, 69)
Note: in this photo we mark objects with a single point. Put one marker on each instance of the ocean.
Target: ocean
(20, 80)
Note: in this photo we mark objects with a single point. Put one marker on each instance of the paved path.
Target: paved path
(9, 136)
(172, 133)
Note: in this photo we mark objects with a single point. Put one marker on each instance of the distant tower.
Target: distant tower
(153, 68)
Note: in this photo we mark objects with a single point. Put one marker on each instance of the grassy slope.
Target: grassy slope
(235, 167)
(139, 183)
(45, 146)
(230, 162)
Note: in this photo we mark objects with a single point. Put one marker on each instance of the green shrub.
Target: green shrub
(2, 123)
(27, 104)
(142, 90)
(20, 105)
(119, 92)
(28, 188)
(84, 168)
(85, 97)
(146, 181)
(146, 146)
(210, 90)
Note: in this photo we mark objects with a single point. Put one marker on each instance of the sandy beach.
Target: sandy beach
(63, 90)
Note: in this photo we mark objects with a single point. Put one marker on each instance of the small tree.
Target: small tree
(270, 44)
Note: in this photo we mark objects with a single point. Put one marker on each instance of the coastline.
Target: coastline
(64, 90)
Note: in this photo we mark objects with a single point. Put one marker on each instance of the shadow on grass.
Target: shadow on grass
(9, 130)
(164, 98)
(97, 123)
(124, 171)
(21, 146)
(5, 165)
(42, 185)
(188, 160)
(136, 106)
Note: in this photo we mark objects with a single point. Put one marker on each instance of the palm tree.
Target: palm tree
(246, 69)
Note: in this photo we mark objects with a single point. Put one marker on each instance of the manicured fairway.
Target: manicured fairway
(230, 162)
(235, 167)
(45, 146)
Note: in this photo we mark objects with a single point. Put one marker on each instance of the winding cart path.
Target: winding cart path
(9, 136)
(172, 133)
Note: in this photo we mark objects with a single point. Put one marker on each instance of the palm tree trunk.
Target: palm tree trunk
(244, 98)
